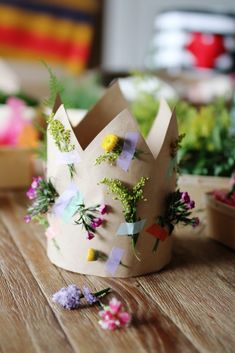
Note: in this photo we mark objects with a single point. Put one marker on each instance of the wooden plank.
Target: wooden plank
(14, 336)
(151, 331)
(26, 317)
(197, 292)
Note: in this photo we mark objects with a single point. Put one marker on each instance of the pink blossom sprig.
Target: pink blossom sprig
(114, 316)
(42, 193)
(178, 210)
(89, 218)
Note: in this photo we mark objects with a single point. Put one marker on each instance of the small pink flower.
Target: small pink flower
(103, 209)
(31, 193)
(27, 218)
(90, 235)
(96, 222)
(35, 182)
(185, 197)
(191, 205)
(195, 222)
(114, 316)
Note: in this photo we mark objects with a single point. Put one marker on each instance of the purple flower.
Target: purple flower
(195, 222)
(103, 208)
(185, 197)
(90, 235)
(68, 297)
(27, 218)
(96, 222)
(36, 181)
(90, 298)
(31, 193)
(191, 204)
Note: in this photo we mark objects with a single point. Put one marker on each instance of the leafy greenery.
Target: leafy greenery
(208, 147)
(128, 197)
(61, 137)
(44, 198)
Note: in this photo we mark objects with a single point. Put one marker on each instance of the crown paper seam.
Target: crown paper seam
(112, 206)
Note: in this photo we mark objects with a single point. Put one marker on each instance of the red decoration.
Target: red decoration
(157, 231)
(206, 48)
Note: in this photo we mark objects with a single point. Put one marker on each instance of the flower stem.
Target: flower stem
(156, 245)
(72, 170)
(133, 241)
(102, 292)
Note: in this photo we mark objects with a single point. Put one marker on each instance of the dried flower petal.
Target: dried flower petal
(103, 209)
(91, 254)
(31, 193)
(68, 297)
(27, 218)
(90, 298)
(96, 222)
(90, 235)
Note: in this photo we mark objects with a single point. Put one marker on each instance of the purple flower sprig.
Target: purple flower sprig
(42, 193)
(178, 210)
(70, 297)
(89, 218)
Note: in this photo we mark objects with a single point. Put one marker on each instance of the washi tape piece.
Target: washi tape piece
(157, 231)
(67, 157)
(171, 166)
(54, 229)
(131, 228)
(128, 151)
(114, 260)
(72, 207)
(64, 199)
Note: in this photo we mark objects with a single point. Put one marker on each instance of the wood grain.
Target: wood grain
(187, 307)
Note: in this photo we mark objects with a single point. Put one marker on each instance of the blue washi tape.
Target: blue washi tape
(131, 228)
(72, 207)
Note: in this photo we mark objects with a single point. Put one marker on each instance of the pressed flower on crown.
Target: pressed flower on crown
(42, 193)
(178, 210)
(112, 145)
(109, 142)
(89, 218)
(62, 139)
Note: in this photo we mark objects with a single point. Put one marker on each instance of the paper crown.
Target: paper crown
(111, 251)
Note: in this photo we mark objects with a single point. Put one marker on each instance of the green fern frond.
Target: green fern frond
(55, 87)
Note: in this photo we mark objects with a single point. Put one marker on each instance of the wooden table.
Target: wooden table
(187, 307)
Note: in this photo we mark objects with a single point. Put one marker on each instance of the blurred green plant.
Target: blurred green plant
(30, 101)
(208, 147)
(76, 95)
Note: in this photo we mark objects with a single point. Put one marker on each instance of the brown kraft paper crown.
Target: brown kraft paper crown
(111, 115)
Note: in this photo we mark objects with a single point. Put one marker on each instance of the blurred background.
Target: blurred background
(183, 51)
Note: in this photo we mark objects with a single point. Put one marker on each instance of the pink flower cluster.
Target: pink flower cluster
(32, 191)
(32, 194)
(227, 197)
(96, 221)
(114, 316)
(222, 196)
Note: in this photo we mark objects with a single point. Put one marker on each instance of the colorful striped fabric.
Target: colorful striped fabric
(48, 30)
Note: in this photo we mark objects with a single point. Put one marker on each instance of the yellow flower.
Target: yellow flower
(92, 254)
(109, 142)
